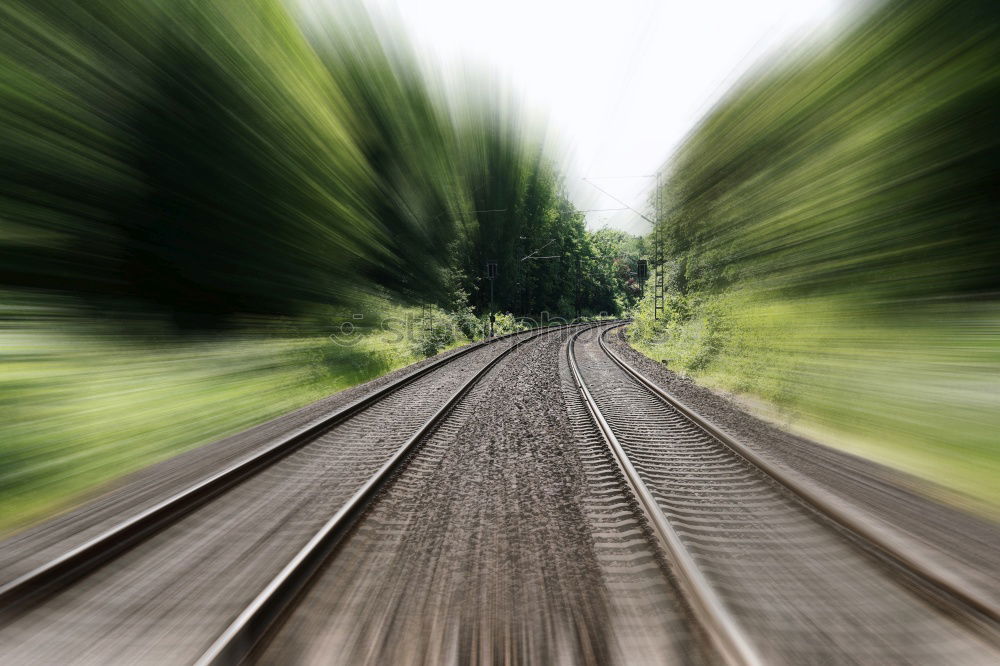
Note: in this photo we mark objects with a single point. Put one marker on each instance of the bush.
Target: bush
(430, 335)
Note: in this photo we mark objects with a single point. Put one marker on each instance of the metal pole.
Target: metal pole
(578, 260)
(658, 254)
(491, 275)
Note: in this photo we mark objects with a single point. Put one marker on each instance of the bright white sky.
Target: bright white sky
(620, 81)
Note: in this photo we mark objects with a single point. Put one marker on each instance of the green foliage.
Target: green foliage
(201, 177)
(434, 331)
(540, 222)
(85, 407)
(918, 392)
(203, 165)
(832, 241)
(868, 166)
(221, 164)
(466, 322)
(610, 261)
(193, 166)
(505, 323)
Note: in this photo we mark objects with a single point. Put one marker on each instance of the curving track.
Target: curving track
(772, 579)
(504, 540)
(531, 500)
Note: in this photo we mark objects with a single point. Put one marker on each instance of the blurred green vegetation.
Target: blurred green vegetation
(195, 194)
(203, 161)
(832, 236)
(84, 405)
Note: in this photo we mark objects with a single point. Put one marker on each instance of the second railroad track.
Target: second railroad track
(771, 576)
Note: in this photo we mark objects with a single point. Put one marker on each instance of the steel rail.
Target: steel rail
(951, 587)
(255, 621)
(98, 550)
(725, 633)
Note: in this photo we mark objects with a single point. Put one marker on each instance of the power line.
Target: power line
(601, 189)
(649, 175)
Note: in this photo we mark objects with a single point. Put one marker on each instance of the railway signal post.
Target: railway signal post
(491, 275)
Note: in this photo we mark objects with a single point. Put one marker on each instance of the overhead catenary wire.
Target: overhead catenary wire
(605, 192)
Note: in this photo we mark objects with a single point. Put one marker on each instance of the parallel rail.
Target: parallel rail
(952, 589)
(86, 557)
(261, 614)
(723, 631)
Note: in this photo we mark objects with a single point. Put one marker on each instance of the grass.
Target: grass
(916, 387)
(84, 407)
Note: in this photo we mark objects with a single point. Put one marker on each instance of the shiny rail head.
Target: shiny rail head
(266, 610)
(22, 592)
(981, 612)
(725, 633)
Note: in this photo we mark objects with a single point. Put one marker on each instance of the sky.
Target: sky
(620, 82)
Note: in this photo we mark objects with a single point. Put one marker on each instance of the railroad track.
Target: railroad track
(336, 539)
(772, 573)
(414, 405)
(240, 637)
(108, 543)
